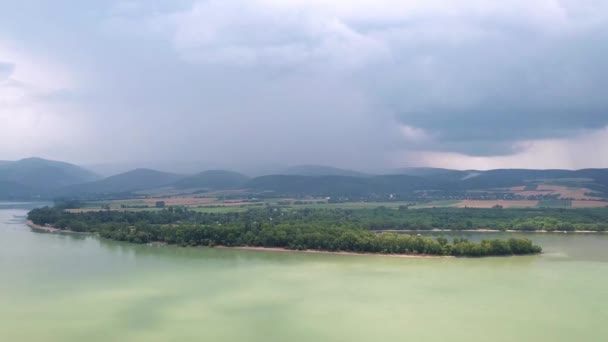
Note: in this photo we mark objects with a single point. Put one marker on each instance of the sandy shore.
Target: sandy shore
(313, 251)
(32, 225)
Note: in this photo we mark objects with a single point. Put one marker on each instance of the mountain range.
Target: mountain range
(36, 178)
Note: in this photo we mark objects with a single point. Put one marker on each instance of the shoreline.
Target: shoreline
(32, 225)
(314, 251)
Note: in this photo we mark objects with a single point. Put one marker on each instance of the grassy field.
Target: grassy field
(556, 203)
(351, 205)
(491, 203)
(564, 190)
(220, 209)
(215, 205)
(589, 204)
(436, 204)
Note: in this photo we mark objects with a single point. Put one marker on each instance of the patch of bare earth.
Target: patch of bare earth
(493, 203)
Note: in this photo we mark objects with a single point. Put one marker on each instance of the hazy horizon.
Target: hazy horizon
(194, 167)
(264, 84)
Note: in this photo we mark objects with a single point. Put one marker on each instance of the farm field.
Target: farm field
(564, 192)
(215, 205)
(555, 203)
(493, 203)
(589, 204)
(222, 209)
(436, 204)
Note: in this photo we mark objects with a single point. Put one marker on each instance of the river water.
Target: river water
(61, 287)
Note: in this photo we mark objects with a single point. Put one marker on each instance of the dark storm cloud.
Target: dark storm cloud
(481, 96)
(239, 82)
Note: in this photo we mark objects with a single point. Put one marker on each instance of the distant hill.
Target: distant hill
(347, 186)
(212, 179)
(448, 181)
(508, 177)
(423, 171)
(138, 179)
(320, 170)
(12, 191)
(37, 177)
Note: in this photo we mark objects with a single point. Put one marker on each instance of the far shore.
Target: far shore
(486, 230)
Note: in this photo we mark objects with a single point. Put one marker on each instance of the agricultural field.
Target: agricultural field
(559, 191)
(493, 203)
(589, 204)
(219, 205)
(436, 204)
(555, 203)
(221, 209)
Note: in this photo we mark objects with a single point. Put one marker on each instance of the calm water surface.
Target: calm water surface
(56, 287)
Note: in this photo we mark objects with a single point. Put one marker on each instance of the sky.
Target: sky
(365, 84)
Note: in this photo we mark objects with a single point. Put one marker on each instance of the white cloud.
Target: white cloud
(253, 33)
(415, 134)
(34, 70)
(585, 149)
(31, 122)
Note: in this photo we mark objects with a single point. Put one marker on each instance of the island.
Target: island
(323, 230)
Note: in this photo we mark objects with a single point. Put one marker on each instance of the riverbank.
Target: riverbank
(314, 251)
(32, 225)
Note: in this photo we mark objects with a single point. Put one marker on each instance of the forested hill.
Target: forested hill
(346, 186)
(213, 179)
(403, 185)
(45, 174)
(131, 181)
(321, 170)
(36, 177)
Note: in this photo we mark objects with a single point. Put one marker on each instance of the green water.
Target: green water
(57, 287)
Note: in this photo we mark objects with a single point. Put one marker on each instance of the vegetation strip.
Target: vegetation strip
(307, 229)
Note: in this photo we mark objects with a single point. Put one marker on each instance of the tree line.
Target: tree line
(317, 229)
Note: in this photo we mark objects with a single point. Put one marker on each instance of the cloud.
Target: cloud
(584, 149)
(33, 69)
(268, 34)
(6, 69)
(33, 120)
(471, 72)
(415, 134)
(356, 83)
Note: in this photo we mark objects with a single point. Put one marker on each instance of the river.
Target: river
(62, 287)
